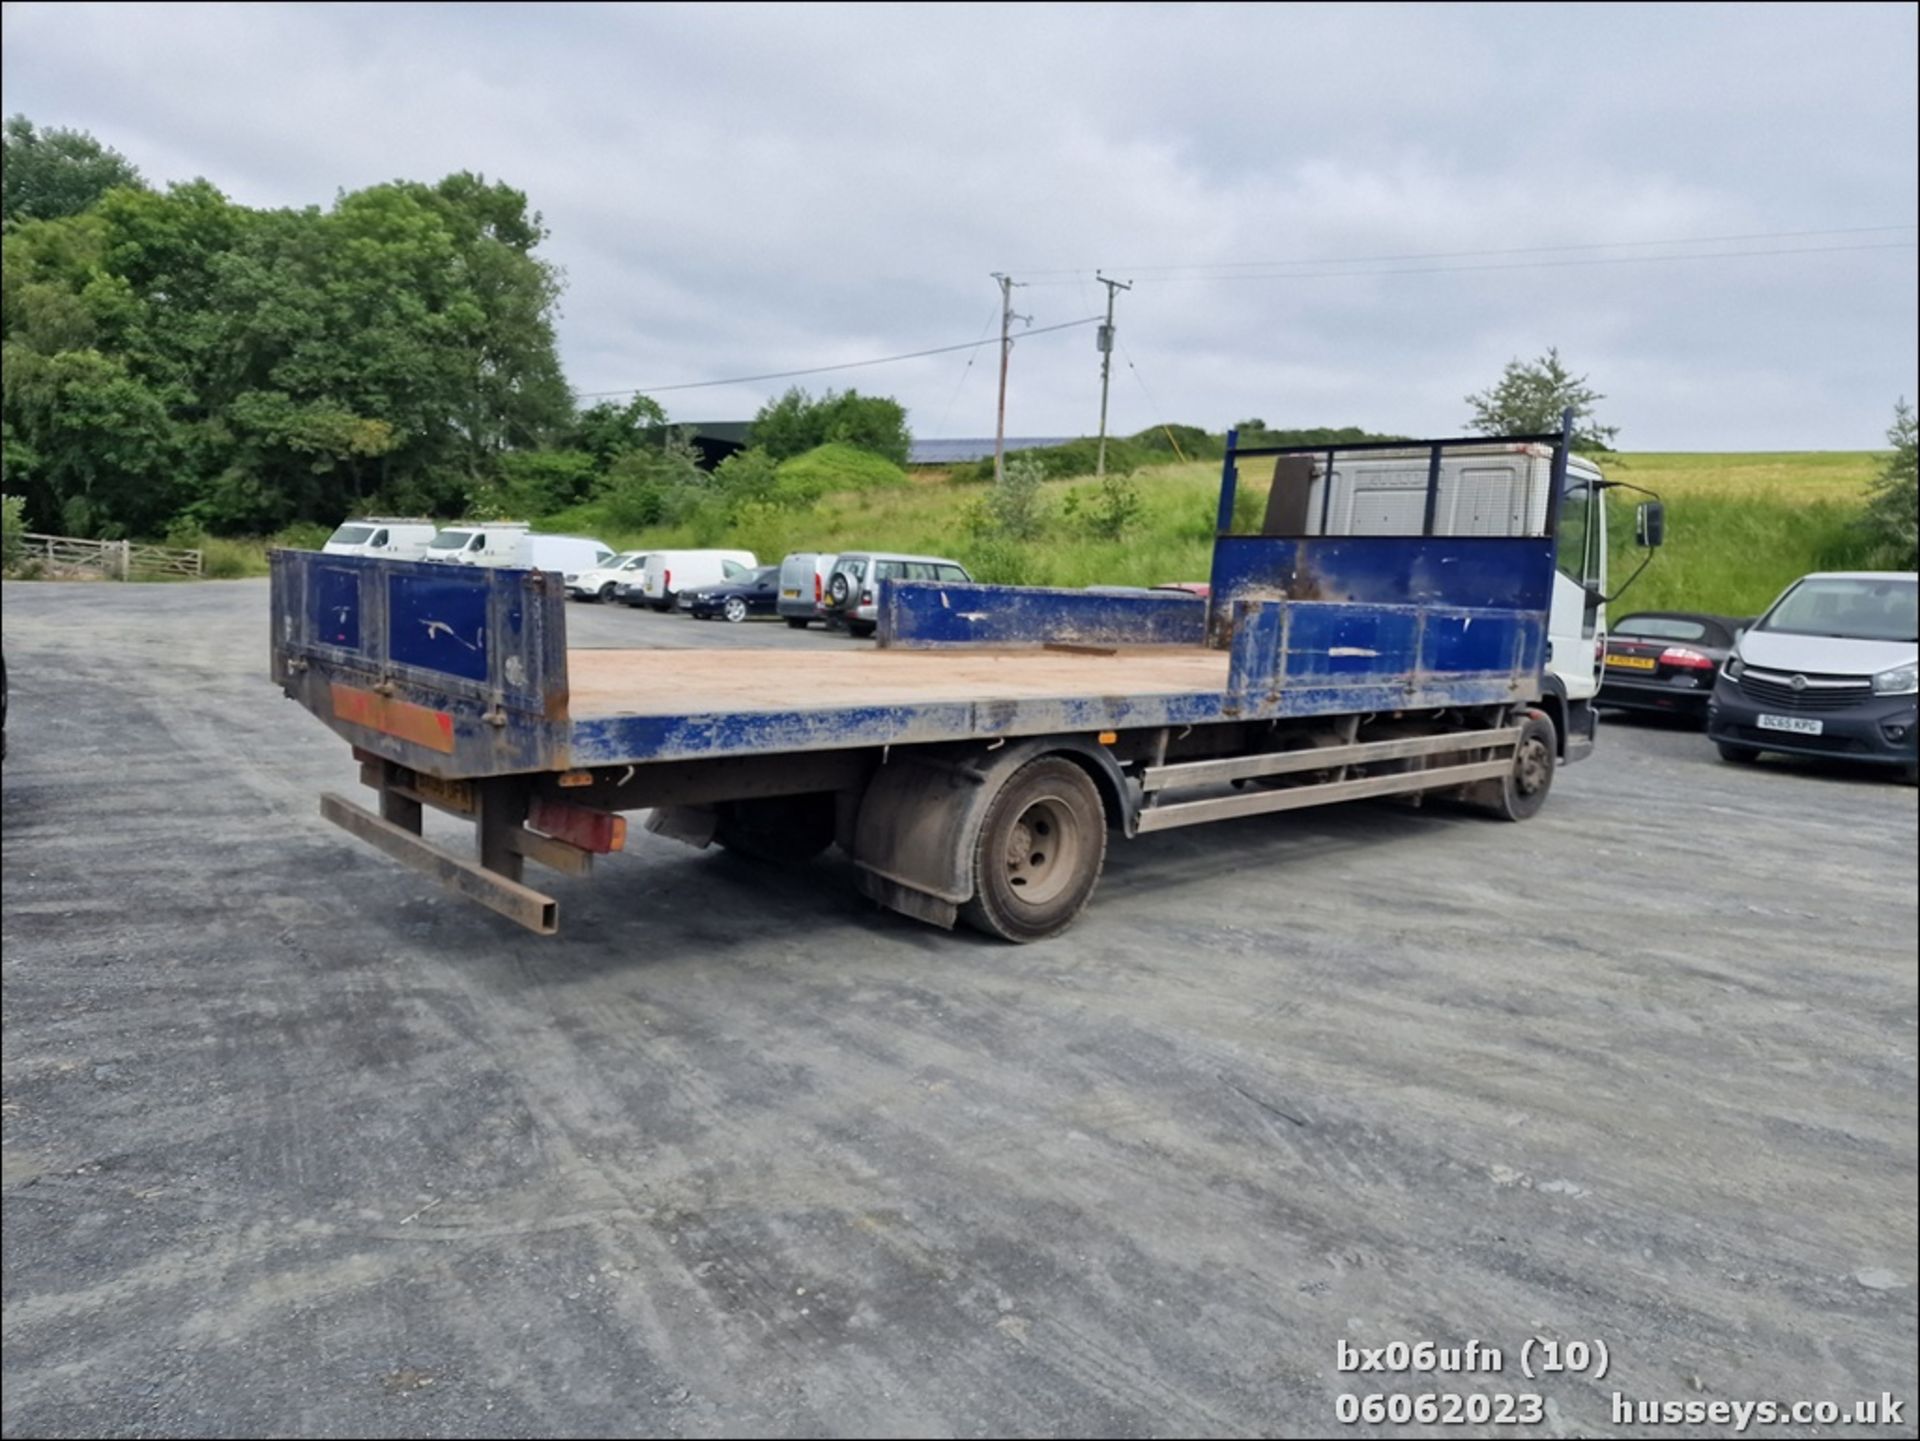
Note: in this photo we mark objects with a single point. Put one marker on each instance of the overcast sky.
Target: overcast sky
(740, 189)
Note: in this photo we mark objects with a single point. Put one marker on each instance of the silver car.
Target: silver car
(853, 589)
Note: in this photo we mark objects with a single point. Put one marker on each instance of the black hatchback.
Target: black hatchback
(1665, 660)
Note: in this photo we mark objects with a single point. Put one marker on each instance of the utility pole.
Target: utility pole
(1007, 318)
(1106, 367)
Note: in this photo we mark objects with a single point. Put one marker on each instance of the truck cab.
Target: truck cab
(1501, 488)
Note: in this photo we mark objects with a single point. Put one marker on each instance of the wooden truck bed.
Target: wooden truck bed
(606, 683)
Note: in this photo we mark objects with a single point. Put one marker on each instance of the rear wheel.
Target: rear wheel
(1521, 792)
(1039, 853)
(860, 629)
(1737, 755)
(661, 607)
(796, 622)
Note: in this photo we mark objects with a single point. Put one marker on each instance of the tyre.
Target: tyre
(735, 610)
(838, 589)
(795, 622)
(606, 593)
(1039, 853)
(1521, 792)
(661, 607)
(1737, 755)
(860, 629)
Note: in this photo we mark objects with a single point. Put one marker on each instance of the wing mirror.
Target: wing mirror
(1649, 524)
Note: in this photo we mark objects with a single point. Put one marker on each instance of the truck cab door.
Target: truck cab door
(1576, 622)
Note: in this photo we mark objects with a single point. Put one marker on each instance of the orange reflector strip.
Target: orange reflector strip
(576, 778)
(417, 723)
(1107, 738)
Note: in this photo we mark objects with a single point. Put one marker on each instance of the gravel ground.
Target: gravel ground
(297, 1145)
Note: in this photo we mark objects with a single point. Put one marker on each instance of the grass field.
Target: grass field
(1739, 527)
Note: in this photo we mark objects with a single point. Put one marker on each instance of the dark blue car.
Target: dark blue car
(755, 593)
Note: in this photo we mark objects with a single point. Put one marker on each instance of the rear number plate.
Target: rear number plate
(1799, 725)
(789, 594)
(1632, 662)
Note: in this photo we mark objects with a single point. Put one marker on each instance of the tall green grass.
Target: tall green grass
(1739, 526)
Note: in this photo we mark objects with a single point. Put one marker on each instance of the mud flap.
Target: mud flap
(914, 838)
(692, 825)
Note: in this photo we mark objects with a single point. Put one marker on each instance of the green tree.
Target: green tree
(1529, 398)
(796, 423)
(1893, 509)
(47, 174)
(609, 429)
(654, 484)
(174, 356)
(1013, 507)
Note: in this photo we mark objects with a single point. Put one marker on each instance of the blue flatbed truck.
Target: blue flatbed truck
(1409, 619)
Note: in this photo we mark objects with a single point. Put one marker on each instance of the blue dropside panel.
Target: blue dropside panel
(1464, 571)
(438, 621)
(453, 670)
(1416, 657)
(931, 615)
(334, 596)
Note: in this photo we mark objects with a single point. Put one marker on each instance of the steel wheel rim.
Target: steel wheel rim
(1531, 766)
(1042, 854)
(736, 609)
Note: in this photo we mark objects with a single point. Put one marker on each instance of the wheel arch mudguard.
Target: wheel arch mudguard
(920, 818)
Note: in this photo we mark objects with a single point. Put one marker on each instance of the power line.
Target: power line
(824, 369)
(965, 371)
(1559, 264)
(1474, 254)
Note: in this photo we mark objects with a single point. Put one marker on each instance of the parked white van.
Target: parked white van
(667, 573)
(491, 543)
(384, 536)
(803, 586)
(511, 543)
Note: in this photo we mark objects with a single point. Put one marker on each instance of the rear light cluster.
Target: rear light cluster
(1686, 658)
(816, 587)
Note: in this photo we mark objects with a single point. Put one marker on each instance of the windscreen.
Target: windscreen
(1847, 608)
(350, 535)
(449, 540)
(1665, 627)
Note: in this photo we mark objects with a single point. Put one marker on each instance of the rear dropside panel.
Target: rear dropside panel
(449, 670)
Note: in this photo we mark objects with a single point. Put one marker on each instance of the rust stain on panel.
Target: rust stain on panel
(417, 723)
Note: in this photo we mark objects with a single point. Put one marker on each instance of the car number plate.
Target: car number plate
(1799, 725)
(1632, 662)
(789, 594)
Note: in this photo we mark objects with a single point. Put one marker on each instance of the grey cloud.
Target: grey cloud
(740, 189)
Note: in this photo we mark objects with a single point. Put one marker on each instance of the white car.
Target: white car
(1829, 670)
(605, 582)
